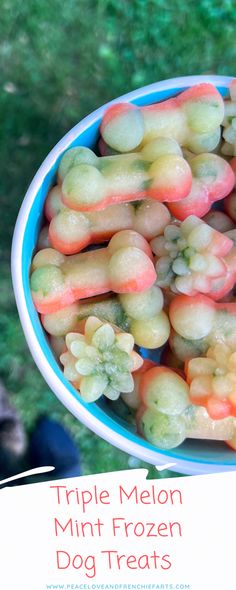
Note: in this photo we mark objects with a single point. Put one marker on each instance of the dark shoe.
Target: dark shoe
(12, 438)
(50, 444)
(12, 433)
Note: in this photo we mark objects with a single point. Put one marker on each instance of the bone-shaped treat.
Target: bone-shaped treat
(213, 179)
(191, 258)
(125, 266)
(160, 146)
(154, 173)
(192, 118)
(70, 231)
(139, 313)
(167, 419)
(198, 323)
(164, 399)
(164, 414)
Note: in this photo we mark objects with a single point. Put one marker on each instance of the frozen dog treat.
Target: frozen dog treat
(155, 173)
(124, 266)
(192, 118)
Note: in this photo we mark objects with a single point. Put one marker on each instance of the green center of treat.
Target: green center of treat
(103, 360)
(184, 255)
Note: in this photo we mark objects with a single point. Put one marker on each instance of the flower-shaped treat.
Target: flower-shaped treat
(190, 256)
(212, 380)
(100, 361)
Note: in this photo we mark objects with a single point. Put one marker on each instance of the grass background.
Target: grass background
(59, 61)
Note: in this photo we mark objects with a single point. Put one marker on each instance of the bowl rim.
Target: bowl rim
(104, 431)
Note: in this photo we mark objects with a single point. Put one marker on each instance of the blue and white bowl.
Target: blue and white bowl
(192, 457)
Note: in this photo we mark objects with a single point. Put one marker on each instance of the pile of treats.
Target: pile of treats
(139, 252)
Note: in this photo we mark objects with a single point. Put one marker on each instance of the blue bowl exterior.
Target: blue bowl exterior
(192, 457)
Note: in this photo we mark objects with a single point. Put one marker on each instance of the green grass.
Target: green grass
(59, 61)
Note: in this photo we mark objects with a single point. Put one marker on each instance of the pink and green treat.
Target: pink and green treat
(159, 174)
(213, 179)
(192, 118)
(125, 266)
(212, 380)
(164, 399)
(70, 231)
(139, 313)
(166, 416)
(200, 323)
